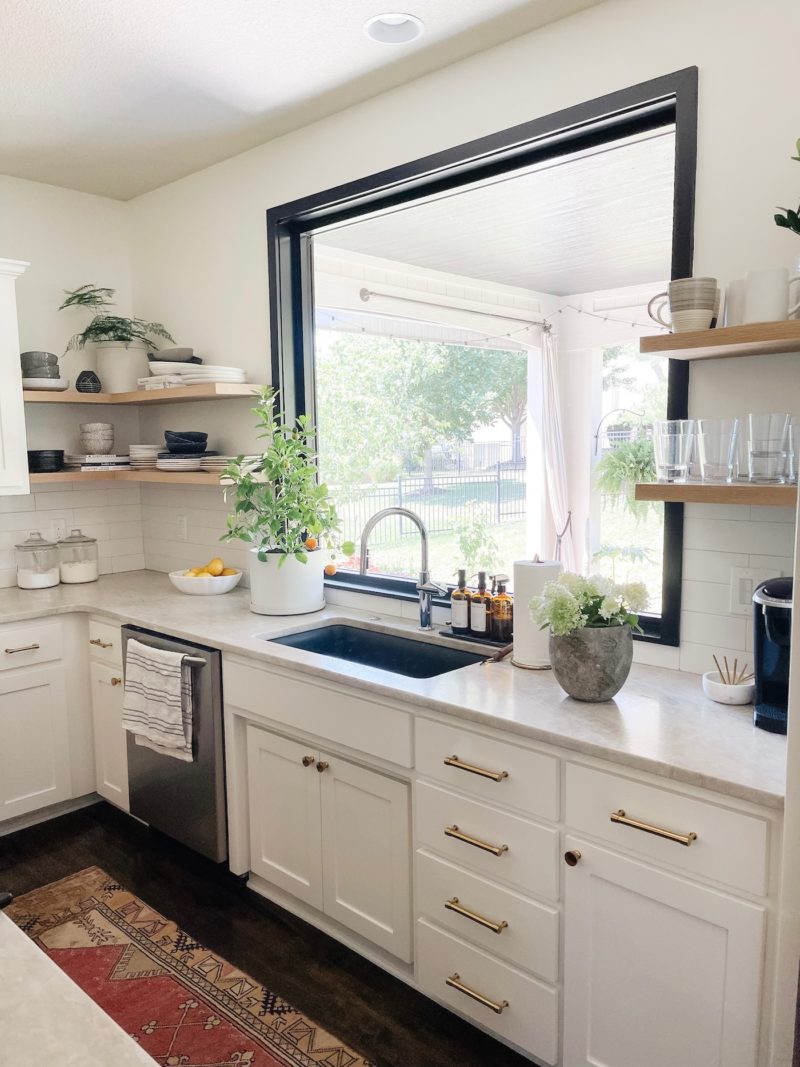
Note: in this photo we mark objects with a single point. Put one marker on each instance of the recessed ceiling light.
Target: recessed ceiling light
(394, 27)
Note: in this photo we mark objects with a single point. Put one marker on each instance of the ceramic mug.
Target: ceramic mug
(693, 304)
(734, 303)
(766, 295)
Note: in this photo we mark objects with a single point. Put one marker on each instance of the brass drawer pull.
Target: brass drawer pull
(116, 681)
(308, 761)
(454, 981)
(100, 643)
(453, 831)
(322, 765)
(495, 776)
(24, 648)
(459, 909)
(682, 839)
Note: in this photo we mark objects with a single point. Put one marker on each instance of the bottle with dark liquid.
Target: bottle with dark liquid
(480, 616)
(460, 604)
(502, 625)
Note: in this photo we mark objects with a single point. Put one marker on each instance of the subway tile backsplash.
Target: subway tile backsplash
(112, 515)
(138, 526)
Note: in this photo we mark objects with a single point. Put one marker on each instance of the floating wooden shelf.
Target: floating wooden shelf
(180, 394)
(151, 476)
(755, 339)
(713, 493)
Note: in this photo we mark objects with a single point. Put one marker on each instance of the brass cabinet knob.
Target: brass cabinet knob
(572, 857)
(116, 681)
(322, 765)
(307, 761)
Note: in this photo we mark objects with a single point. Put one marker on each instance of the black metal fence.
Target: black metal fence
(440, 501)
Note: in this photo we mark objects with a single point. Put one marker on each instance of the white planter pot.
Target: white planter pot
(293, 588)
(119, 367)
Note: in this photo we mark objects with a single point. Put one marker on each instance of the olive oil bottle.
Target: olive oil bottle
(502, 625)
(480, 618)
(460, 600)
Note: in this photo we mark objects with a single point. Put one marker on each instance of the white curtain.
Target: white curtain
(553, 451)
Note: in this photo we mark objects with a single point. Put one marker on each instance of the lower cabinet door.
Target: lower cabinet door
(658, 970)
(110, 739)
(34, 741)
(285, 814)
(366, 853)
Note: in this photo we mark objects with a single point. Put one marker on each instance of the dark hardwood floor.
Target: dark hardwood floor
(379, 1016)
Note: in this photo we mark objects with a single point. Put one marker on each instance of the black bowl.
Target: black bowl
(45, 460)
(187, 448)
(186, 435)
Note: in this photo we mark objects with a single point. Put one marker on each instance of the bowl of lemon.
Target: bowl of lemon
(209, 580)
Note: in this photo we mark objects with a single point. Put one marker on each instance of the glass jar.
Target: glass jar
(37, 563)
(78, 558)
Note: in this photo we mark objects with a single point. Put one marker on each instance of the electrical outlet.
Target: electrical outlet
(183, 528)
(58, 529)
(743, 584)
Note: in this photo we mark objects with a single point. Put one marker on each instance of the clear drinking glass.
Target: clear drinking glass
(768, 447)
(673, 440)
(793, 450)
(716, 444)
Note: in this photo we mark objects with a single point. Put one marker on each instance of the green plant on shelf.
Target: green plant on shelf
(790, 220)
(106, 327)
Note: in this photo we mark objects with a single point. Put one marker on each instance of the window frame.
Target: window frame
(667, 100)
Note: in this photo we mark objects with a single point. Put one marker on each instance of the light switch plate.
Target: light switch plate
(58, 529)
(743, 584)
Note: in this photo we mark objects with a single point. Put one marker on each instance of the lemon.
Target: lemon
(228, 571)
(215, 567)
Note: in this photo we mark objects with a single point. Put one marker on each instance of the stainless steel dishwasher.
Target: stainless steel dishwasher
(186, 801)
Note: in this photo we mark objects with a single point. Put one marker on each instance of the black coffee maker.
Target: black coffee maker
(772, 619)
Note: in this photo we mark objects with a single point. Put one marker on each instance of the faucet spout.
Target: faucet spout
(425, 587)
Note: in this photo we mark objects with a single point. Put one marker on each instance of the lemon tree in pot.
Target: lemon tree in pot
(285, 515)
(121, 343)
(591, 622)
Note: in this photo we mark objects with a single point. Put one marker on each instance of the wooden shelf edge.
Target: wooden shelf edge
(713, 493)
(181, 394)
(753, 339)
(141, 477)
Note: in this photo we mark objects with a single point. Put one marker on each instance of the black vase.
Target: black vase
(87, 382)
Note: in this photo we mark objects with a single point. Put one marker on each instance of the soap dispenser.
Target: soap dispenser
(481, 609)
(502, 624)
(460, 604)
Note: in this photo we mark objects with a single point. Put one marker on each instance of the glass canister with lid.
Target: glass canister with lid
(37, 563)
(78, 558)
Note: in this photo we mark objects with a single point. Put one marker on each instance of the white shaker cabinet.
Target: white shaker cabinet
(13, 445)
(658, 970)
(34, 740)
(332, 834)
(110, 746)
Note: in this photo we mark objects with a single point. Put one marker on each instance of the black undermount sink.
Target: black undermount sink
(387, 652)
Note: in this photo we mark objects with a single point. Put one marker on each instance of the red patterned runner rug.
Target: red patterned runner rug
(185, 1006)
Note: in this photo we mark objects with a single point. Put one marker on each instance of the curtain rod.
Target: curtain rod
(365, 294)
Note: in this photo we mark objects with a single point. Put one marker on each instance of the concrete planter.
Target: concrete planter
(292, 588)
(592, 664)
(120, 366)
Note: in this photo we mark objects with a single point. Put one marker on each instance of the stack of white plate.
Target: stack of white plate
(179, 463)
(218, 463)
(199, 373)
(143, 457)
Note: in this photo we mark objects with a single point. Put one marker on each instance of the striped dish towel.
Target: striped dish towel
(157, 708)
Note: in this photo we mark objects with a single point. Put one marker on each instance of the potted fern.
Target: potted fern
(121, 343)
(284, 514)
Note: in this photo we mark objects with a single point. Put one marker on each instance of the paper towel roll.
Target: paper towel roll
(531, 643)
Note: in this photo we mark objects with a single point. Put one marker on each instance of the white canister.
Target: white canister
(766, 295)
(37, 563)
(290, 587)
(78, 559)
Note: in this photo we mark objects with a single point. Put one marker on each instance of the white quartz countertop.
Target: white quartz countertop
(47, 1018)
(660, 722)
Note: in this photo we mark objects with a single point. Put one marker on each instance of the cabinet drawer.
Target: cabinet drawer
(36, 642)
(529, 852)
(337, 714)
(529, 779)
(105, 642)
(730, 847)
(529, 1018)
(528, 934)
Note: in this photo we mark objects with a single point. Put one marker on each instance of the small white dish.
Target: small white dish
(203, 586)
(722, 693)
(55, 385)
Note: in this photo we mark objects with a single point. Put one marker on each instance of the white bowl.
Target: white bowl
(714, 687)
(203, 586)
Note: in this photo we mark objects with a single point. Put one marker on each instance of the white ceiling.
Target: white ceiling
(598, 220)
(120, 96)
